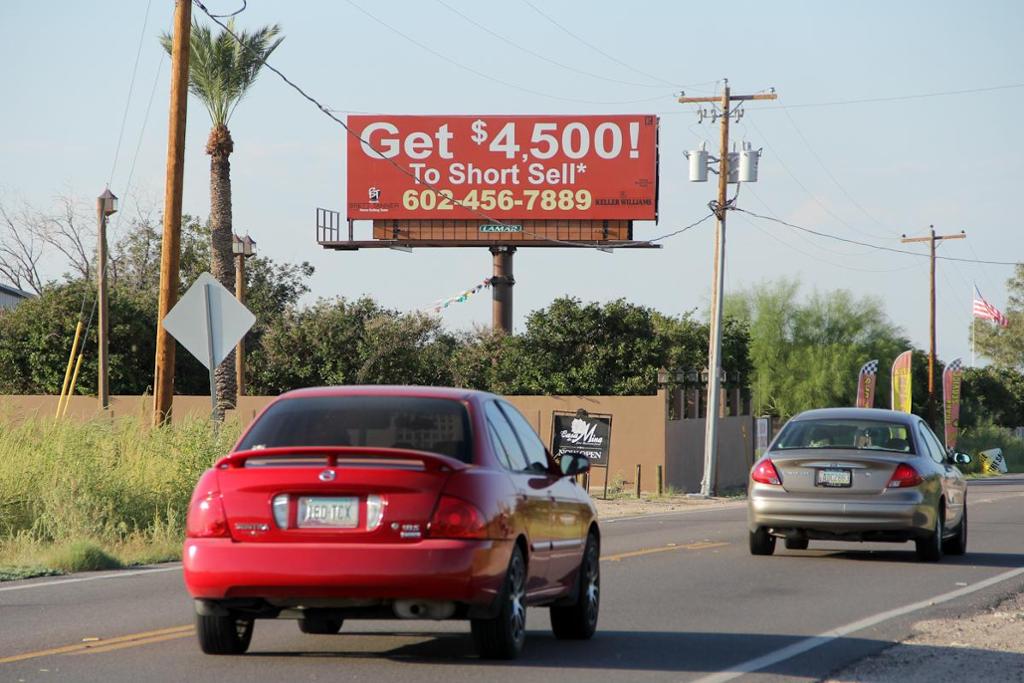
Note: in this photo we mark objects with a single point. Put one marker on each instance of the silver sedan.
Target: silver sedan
(856, 474)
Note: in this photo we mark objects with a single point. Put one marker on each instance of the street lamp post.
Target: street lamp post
(106, 205)
(242, 248)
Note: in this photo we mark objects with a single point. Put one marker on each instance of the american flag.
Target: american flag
(986, 311)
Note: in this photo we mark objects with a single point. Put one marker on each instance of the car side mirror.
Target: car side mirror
(961, 458)
(574, 464)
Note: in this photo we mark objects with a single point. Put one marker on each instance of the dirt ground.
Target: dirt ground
(988, 646)
(623, 506)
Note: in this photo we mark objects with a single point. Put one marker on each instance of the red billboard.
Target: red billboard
(503, 167)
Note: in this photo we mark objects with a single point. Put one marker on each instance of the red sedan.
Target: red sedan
(383, 502)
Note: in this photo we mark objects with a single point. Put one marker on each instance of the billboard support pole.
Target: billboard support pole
(502, 282)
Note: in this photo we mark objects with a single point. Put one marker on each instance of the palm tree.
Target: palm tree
(221, 71)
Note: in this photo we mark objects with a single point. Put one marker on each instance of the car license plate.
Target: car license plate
(835, 478)
(328, 513)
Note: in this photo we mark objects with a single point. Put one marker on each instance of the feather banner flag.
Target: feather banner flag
(951, 380)
(901, 382)
(866, 380)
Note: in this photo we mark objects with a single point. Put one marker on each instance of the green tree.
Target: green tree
(806, 354)
(35, 339)
(221, 72)
(1005, 345)
(336, 341)
(992, 395)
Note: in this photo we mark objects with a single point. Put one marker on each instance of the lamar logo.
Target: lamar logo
(374, 194)
(582, 433)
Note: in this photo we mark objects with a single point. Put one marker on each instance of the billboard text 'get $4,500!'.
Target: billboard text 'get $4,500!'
(503, 167)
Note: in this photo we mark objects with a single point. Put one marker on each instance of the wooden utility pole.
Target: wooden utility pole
(707, 486)
(105, 206)
(932, 238)
(170, 253)
(240, 348)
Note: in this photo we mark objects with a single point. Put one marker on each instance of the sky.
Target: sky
(867, 171)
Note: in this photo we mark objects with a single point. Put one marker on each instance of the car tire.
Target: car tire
(321, 625)
(929, 548)
(579, 621)
(761, 542)
(796, 543)
(502, 637)
(958, 544)
(223, 635)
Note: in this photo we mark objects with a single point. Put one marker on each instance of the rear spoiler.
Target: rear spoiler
(431, 461)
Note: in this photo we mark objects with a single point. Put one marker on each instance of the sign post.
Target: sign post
(208, 321)
(583, 433)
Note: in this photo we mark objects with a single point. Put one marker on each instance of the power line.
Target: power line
(897, 98)
(232, 14)
(817, 257)
(138, 145)
(481, 74)
(867, 100)
(599, 50)
(875, 246)
(131, 88)
(829, 173)
(810, 194)
(537, 54)
(327, 112)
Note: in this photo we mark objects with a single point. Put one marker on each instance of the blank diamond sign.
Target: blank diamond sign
(209, 321)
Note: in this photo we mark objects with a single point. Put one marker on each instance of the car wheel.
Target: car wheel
(958, 544)
(796, 544)
(223, 635)
(579, 621)
(761, 542)
(321, 625)
(503, 636)
(929, 548)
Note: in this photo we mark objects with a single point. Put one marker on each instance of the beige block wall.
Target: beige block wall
(638, 422)
(684, 452)
(638, 430)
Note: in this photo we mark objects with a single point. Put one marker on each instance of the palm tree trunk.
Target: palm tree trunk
(219, 147)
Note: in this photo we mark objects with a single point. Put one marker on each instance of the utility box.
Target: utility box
(734, 167)
(749, 159)
(698, 165)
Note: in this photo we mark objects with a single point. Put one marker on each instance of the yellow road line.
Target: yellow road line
(699, 545)
(106, 647)
(174, 632)
(78, 647)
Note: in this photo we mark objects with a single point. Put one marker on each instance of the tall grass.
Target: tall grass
(986, 436)
(106, 487)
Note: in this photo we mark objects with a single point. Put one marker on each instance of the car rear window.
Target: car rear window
(436, 425)
(875, 435)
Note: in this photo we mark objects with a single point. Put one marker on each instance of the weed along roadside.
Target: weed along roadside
(101, 494)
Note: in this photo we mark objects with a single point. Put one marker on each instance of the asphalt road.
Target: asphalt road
(682, 600)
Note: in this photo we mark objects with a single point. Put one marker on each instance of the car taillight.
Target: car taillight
(206, 518)
(904, 476)
(765, 473)
(455, 518)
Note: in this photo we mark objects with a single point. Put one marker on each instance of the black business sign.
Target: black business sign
(582, 433)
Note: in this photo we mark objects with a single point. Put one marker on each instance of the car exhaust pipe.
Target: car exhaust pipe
(424, 609)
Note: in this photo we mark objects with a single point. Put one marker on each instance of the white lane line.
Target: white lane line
(114, 575)
(702, 508)
(802, 646)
